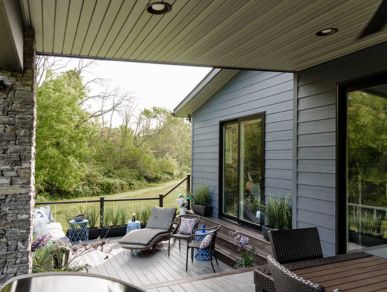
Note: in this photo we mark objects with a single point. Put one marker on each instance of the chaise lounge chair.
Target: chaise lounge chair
(157, 229)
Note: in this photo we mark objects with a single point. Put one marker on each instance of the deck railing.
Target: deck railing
(134, 204)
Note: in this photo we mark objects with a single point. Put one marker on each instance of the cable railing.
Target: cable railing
(104, 212)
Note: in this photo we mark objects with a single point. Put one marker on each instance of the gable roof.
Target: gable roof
(206, 88)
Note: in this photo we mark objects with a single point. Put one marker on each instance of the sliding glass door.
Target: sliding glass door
(243, 168)
(366, 167)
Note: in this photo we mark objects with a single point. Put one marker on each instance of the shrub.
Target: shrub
(202, 196)
(278, 213)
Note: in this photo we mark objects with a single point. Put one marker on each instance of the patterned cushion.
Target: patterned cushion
(186, 226)
(205, 243)
(285, 280)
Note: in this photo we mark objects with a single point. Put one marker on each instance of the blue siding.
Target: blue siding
(249, 92)
(316, 164)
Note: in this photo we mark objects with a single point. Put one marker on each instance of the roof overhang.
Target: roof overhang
(210, 84)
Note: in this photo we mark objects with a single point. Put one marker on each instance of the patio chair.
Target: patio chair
(185, 227)
(295, 245)
(287, 281)
(207, 242)
(157, 229)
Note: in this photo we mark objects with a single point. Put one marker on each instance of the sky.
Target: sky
(150, 84)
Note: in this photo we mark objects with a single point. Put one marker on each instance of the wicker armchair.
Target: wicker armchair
(287, 281)
(195, 244)
(178, 236)
(295, 245)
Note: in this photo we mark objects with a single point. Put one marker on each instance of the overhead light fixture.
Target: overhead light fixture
(159, 7)
(327, 31)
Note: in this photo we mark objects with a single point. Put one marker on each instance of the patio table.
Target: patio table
(359, 272)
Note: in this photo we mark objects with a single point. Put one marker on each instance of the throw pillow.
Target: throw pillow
(205, 243)
(186, 226)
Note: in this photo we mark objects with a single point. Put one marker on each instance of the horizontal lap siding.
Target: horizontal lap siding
(316, 150)
(249, 92)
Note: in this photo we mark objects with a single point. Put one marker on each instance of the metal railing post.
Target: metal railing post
(101, 211)
(161, 200)
(189, 191)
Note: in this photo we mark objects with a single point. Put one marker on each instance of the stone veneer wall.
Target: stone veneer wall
(17, 148)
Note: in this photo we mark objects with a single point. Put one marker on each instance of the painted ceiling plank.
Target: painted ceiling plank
(298, 30)
(156, 31)
(186, 15)
(88, 10)
(135, 15)
(62, 10)
(48, 24)
(204, 28)
(36, 19)
(72, 25)
(106, 25)
(97, 19)
(123, 14)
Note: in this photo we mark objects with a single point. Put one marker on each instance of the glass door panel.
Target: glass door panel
(367, 167)
(251, 162)
(230, 169)
(243, 169)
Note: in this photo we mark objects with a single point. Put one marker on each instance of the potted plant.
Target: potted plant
(143, 216)
(278, 215)
(92, 214)
(202, 201)
(366, 229)
(114, 222)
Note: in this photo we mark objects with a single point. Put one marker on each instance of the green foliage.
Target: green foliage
(92, 214)
(246, 260)
(366, 223)
(202, 196)
(144, 215)
(78, 156)
(278, 213)
(108, 216)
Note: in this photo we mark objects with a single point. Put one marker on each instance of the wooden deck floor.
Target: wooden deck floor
(158, 272)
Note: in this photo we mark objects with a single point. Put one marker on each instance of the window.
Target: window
(243, 168)
(364, 164)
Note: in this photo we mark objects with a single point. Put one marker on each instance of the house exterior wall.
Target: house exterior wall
(17, 136)
(249, 92)
(316, 138)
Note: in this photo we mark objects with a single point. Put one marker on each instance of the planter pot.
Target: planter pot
(93, 233)
(365, 239)
(112, 231)
(205, 211)
(142, 225)
(265, 232)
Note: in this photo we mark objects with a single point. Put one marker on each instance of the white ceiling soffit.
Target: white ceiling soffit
(210, 84)
(249, 34)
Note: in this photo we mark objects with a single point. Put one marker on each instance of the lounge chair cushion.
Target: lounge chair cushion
(142, 236)
(161, 218)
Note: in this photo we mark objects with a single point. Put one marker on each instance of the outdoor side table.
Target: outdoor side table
(133, 225)
(201, 254)
(79, 230)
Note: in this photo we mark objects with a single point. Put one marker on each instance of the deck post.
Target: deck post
(189, 191)
(161, 200)
(101, 211)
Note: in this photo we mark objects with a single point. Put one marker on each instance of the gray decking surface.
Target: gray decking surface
(156, 272)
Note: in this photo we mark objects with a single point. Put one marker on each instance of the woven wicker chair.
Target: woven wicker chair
(287, 281)
(195, 244)
(178, 236)
(295, 245)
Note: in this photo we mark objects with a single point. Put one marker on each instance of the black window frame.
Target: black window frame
(262, 116)
(341, 150)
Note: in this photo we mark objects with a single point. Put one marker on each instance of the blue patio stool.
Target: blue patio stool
(79, 230)
(202, 254)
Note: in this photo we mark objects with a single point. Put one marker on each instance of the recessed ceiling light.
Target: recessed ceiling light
(327, 31)
(159, 8)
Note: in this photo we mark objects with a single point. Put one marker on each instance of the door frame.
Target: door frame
(238, 120)
(341, 150)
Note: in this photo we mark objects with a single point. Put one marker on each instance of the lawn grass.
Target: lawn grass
(63, 213)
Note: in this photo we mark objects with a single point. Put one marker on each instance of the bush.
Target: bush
(202, 196)
(278, 213)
